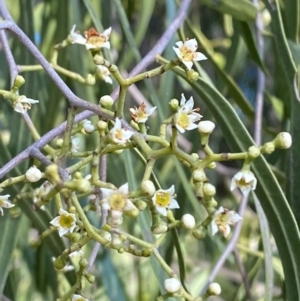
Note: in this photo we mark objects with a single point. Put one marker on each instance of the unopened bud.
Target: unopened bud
(159, 228)
(199, 175)
(174, 104)
(102, 125)
(199, 232)
(172, 285)
(192, 75)
(253, 151)
(214, 289)
(206, 127)
(188, 221)
(83, 262)
(283, 140)
(148, 187)
(268, 148)
(106, 102)
(52, 172)
(90, 80)
(33, 174)
(90, 278)
(209, 190)
(88, 126)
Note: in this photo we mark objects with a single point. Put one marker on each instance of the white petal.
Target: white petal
(192, 44)
(63, 212)
(55, 222)
(161, 210)
(190, 103)
(107, 32)
(106, 45)
(62, 231)
(106, 192)
(124, 188)
(226, 231)
(177, 51)
(214, 227)
(179, 44)
(198, 56)
(171, 190)
(173, 204)
(150, 111)
(188, 64)
(233, 217)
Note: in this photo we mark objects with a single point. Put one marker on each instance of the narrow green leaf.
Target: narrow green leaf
(10, 227)
(242, 10)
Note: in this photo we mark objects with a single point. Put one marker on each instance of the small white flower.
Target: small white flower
(79, 298)
(88, 126)
(92, 39)
(187, 54)
(104, 74)
(65, 222)
(223, 218)
(33, 174)
(206, 127)
(163, 200)
(185, 117)
(245, 181)
(141, 114)
(23, 104)
(119, 135)
(188, 221)
(172, 285)
(4, 203)
(116, 201)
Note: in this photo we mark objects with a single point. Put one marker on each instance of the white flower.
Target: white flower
(92, 39)
(172, 285)
(163, 200)
(117, 201)
(185, 117)
(223, 218)
(4, 203)
(119, 135)
(79, 298)
(245, 181)
(23, 104)
(188, 221)
(206, 127)
(88, 126)
(104, 74)
(33, 174)
(187, 54)
(141, 114)
(65, 222)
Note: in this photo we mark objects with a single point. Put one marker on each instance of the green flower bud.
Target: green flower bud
(83, 263)
(253, 151)
(214, 289)
(283, 140)
(199, 232)
(148, 187)
(192, 75)
(106, 102)
(199, 175)
(102, 125)
(174, 104)
(209, 190)
(90, 80)
(159, 228)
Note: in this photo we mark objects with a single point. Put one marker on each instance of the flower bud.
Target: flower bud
(52, 172)
(214, 289)
(83, 185)
(199, 232)
(283, 140)
(106, 235)
(212, 165)
(199, 175)
(141, 205)
(148, 187)
(33, 174)
(133, 213)
(209, 190)
(192, 75)
(188, 221)
(174, 104)
(159, 228)
(90, 278)
(90, 80)
(102, 125)
(106, 102)
(83, 262)
(268, 148)
(88, 126)
(206, 127)
(116, 241)
(253, 151)
(172, 285)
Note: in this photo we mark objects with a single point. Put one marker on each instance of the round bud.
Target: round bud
(106, 101)
(268, 148)
(192, 75)
(90, 80)
(160, 228)
(206, 127)
(209, 189)
(106, 235)
(33, 174)
(133, 213)
(199, 232)
(188, 221)
(283, 140)
(212, 165)
(90, 278)
(102, 125)
(19, 81)
(88, 126)
(214, 289)
(141, 205)
(83, 262)
(148, 187)
(116, 241)
(172, 285)
(199, 175)
(77, 175)
(253, 151)
(83, 185)
(174, 104)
